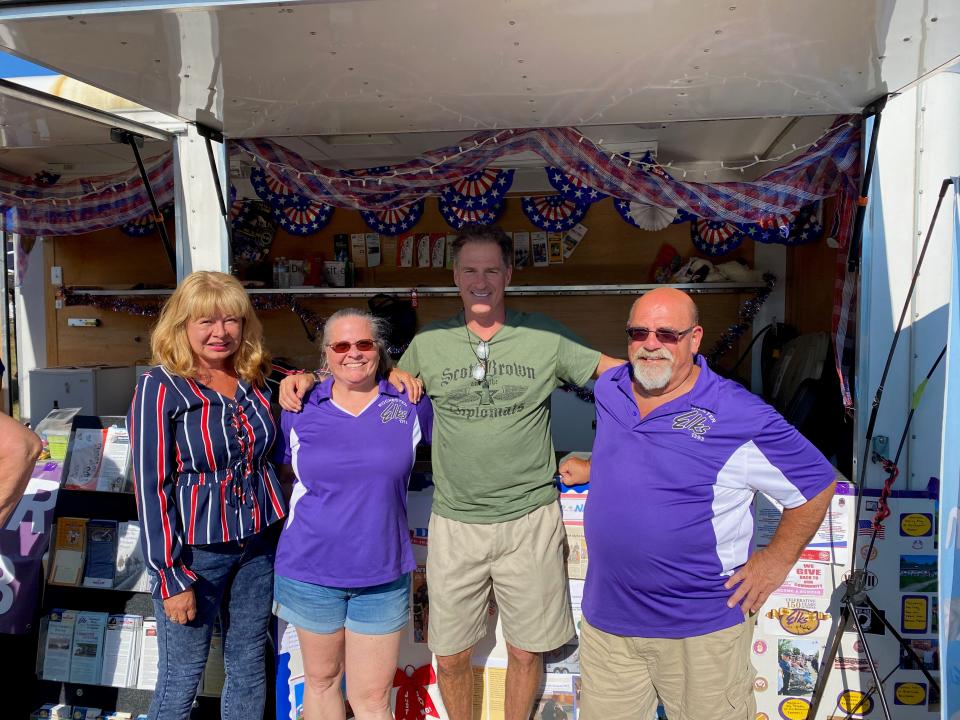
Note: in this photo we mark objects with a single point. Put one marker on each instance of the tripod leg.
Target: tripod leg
(827, 664)
(852, 612)
(904, 644)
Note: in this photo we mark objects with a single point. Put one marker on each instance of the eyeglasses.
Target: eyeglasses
(665, 336)
(344, 346)
(479, 370)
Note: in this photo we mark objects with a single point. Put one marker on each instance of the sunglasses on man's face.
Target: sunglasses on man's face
(344, 346)
(664, 335)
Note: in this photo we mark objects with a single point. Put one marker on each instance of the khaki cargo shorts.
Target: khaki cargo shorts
(708, 677)
(523, 560)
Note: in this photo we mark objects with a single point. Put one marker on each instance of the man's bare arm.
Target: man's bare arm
(767, 568)
(19, 450)
(607, 362)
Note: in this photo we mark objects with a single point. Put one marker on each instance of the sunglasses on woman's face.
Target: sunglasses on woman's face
(665, 336)
(344, 346)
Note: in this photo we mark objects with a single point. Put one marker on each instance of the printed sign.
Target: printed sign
(854, 702)
(800, 621)
(909, 693)
(794, 709)
(913, 613)
(805, 578)
(916, 524)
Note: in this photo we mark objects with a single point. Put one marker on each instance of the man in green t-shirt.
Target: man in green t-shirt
(496, 522)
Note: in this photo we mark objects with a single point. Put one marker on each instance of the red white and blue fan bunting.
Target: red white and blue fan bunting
(306, 220)
(144, 225)
(479, 190)
(458, 217)
(715, 237)
(572, 188)
(794, 229)
(644, 215)
(275, 193)
(553, 213)
(395, 221)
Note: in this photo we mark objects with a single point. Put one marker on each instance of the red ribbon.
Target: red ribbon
(413, 700)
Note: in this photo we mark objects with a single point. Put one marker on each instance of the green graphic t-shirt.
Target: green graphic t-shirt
(493, 455)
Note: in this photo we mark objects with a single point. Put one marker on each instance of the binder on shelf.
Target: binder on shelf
(69, 551)
(99, 569)
(87, 657)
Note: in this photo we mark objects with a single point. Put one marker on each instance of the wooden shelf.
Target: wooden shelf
(439, 291)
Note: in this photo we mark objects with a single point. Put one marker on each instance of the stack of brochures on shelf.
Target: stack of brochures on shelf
(94, 648)
(99, 554)
(99, 460)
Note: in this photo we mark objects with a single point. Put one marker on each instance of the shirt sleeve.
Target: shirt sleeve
(576, 362)
(425, 417)
(281, 455)
(409, 361)
(790, 469)
(153, 443)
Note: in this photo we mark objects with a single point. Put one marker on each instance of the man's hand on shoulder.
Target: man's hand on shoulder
(763, 573)
(292, 390)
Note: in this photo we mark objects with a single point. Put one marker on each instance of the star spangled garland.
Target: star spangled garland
(572, 188)
(553, 213)
(303, 221)
(715, 237)
(458, 217)
(395, 221)
(481, 190)
(145, 225)
(797, 229)
(273, 192)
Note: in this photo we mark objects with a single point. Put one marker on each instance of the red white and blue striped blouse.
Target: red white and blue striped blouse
(201, 469)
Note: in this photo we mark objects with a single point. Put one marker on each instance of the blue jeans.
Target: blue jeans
(234, 582)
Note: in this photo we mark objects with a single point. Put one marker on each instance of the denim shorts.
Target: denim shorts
(373, 610)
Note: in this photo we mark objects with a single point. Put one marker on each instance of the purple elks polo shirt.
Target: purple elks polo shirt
(347, 523)
(669, 517)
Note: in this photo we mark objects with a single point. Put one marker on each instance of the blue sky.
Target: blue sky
(11, 66)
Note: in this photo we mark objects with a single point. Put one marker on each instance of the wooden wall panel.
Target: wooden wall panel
(108, 259)
(611, 252)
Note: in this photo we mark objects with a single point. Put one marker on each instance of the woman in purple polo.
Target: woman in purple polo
(342, 574)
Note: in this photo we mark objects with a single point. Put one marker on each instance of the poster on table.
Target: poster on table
(799, 619)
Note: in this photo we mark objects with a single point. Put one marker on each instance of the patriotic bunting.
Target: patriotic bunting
(715, 237)
(307, 220)
(274, 192)
(394, 221)
(645, 216)
(145, 225)
(829, 166)
(478, 191)
(553, 212)
(458, 217)
(571, 187)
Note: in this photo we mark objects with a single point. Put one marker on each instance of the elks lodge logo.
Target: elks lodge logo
(695, 420)
(393, 410)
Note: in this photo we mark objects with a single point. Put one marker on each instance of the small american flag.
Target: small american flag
(866, 528)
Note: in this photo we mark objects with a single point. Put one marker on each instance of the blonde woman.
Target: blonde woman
(209, 500)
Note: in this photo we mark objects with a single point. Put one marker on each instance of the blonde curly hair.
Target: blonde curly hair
(202, 294)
